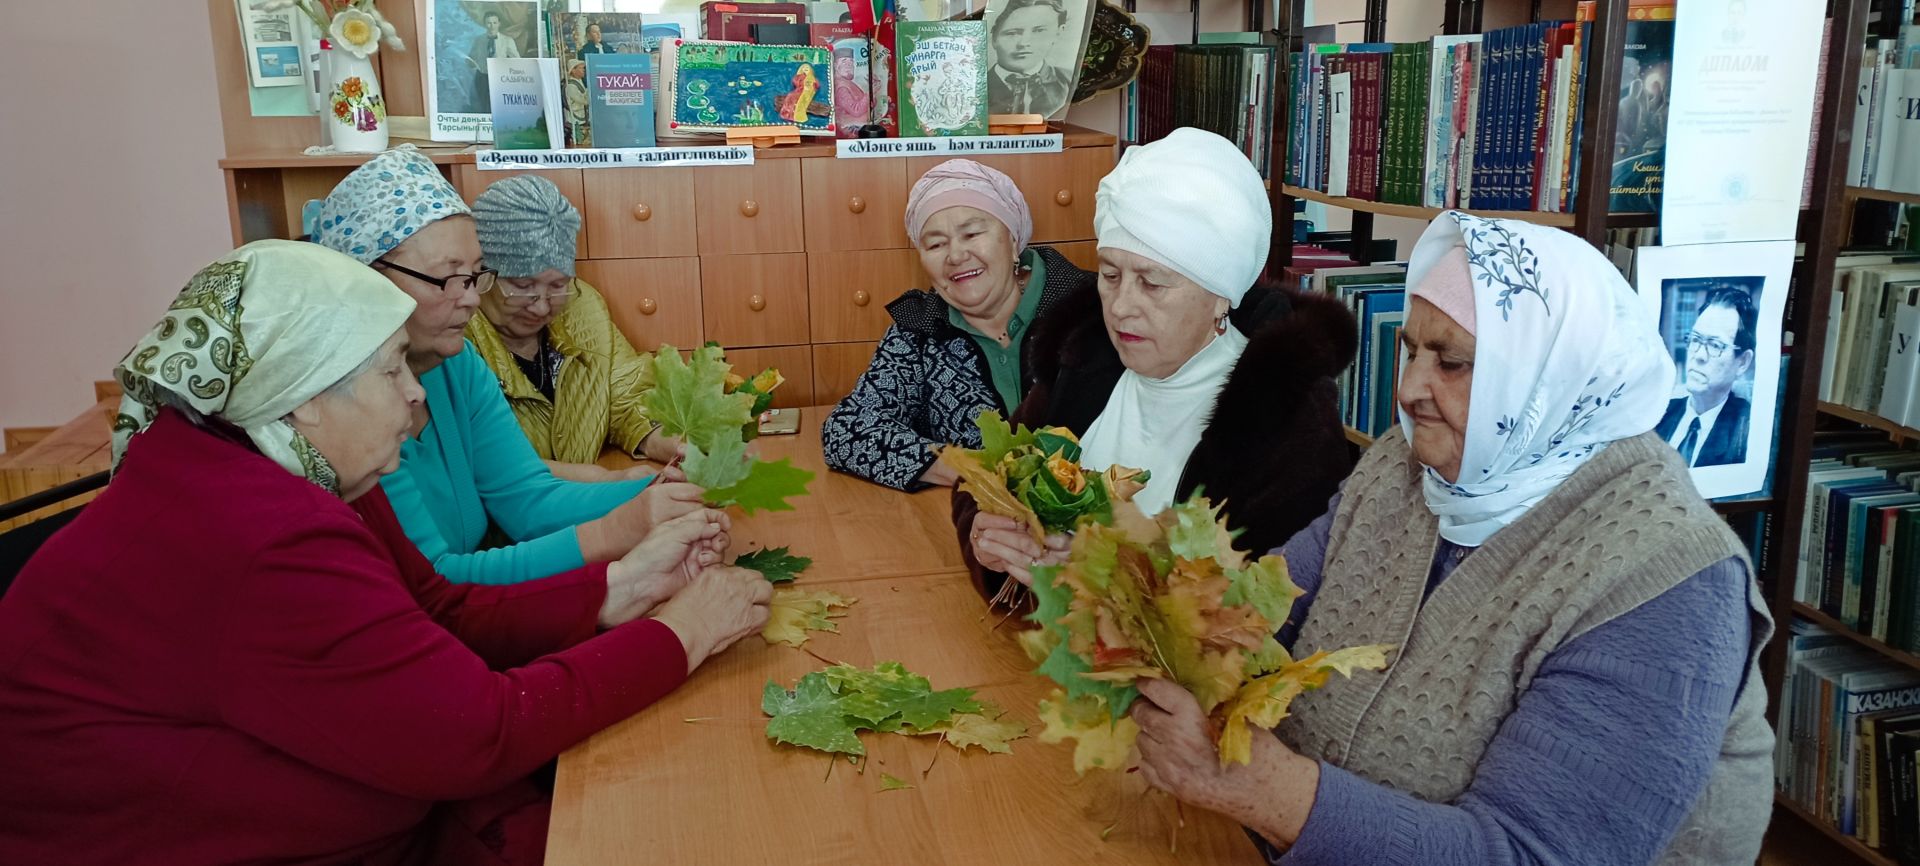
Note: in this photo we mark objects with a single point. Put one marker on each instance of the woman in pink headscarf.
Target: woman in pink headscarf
(958, 349)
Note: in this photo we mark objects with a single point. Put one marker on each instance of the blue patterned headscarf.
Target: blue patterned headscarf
(1566, 360)
(383, 203)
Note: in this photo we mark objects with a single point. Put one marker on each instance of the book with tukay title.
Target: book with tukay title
(943, 78)
(526, 103)
(620, 99)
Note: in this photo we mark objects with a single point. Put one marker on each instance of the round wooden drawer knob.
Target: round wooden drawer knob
(1063, 198)
(857, 204)
(649, 306)
(642, 212)
(749, 208)
(756, 303)
(861, 298)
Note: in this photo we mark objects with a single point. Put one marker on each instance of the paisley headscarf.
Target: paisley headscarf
(1567, 360)
(255, 335)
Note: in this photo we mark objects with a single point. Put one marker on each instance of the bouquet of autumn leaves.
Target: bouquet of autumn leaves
(1034, 476)
(1168, 597)
(701, 401)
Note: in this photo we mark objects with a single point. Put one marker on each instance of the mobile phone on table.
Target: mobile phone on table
(777, 422)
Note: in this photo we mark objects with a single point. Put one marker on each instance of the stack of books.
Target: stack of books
(1377, 297)
(1885, 152)
(1859, 556)
(1847, 748)
(1872, 361)
(1224, 87)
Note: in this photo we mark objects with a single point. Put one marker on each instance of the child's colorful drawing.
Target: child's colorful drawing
(718, 86)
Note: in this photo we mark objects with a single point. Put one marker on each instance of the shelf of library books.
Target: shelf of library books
(1901, 435)
(1860, 192)
(1820, 618)
(1853, 846)
(1564, 220)
(1359, 438)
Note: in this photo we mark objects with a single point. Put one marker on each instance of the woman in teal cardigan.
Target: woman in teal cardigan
(471, 470)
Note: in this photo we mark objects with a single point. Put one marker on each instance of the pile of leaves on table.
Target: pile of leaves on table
(1168, 597)
(827, 710)
(702, 402)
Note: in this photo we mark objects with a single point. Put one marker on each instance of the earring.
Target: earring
(1220, 327)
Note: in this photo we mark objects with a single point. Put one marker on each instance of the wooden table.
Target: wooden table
(659, 789)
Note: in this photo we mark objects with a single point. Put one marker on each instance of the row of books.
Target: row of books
(1224, 88)
(1847, 745)
(1885, 152)
(1859, 558)
(1377, 297)
(1872, 360)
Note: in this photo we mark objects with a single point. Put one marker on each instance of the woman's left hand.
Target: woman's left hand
(645, 471)
(1271, 795)
(661, 448)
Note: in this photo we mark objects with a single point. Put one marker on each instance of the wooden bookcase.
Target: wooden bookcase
(1823, 228)
(788, 263)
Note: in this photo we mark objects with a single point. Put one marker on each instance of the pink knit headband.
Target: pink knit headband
(965, 183)
(1448, 285)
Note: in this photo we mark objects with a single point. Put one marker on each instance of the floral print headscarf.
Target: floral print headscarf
(1567, 359)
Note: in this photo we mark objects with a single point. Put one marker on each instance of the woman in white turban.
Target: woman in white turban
(1179, 362)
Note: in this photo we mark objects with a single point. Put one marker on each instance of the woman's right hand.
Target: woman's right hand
(1003, 544)
(719, 606)
(625, 527)
(657, 568)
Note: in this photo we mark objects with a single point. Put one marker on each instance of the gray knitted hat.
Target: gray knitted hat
(526, 226)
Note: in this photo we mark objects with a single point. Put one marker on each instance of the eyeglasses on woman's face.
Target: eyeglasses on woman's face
(1706, 348)
(480, 281)
(521, 292)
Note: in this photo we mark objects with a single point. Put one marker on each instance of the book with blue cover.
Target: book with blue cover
(526, 103)
(620, 99)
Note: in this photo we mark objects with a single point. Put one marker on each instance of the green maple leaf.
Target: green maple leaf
(766, 487)
(921, 712)
(997, 438)
(690, 400)
(1266, 585)
(775, 564)
(725, 466)
(893, 783)
(1195, 533)
(809, 716)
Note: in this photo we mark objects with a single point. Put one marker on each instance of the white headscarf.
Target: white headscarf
(1567, 360)
(1190, 201)
(254, 336)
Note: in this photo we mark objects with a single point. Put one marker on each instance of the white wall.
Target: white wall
(110, 196)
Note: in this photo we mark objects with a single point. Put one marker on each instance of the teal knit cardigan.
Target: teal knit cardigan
(472, 467)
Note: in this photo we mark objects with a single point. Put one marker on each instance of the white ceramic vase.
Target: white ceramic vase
(355, 113)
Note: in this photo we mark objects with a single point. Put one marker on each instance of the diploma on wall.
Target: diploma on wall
(1742, 103)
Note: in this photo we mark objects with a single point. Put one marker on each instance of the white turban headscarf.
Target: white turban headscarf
(254, 336)
(1190, 201)
(1566, 360)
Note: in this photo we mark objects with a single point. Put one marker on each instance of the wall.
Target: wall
(110, 196)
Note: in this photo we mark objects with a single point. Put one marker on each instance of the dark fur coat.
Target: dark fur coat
(1273, 449)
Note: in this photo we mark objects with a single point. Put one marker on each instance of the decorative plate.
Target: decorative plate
(1115, 45)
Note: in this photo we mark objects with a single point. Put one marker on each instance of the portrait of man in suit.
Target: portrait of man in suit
(496, 43)
(1709, 425)
(1022, 81)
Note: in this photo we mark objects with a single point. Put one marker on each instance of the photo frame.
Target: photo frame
(1712, 302)
(1035, 49)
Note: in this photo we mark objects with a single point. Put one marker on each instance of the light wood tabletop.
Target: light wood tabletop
(658, 788)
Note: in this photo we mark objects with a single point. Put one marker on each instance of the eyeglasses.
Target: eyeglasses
(480, 281)
(1708, 348)
(526, 295)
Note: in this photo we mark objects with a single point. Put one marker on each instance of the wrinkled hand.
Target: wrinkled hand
(1003, 544)
(719, 606)
(626, 526)
(1273, 794)
(657, 568)
(661, 448)
(644, 471)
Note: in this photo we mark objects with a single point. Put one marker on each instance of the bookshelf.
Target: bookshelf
(1855, 193)
(1841, 840)
(1378, 208)
(1899, 434)
(1359, 438)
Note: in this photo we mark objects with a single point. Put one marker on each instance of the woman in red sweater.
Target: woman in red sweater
(222, 660)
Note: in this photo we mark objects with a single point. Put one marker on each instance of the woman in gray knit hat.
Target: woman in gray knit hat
(571, 377)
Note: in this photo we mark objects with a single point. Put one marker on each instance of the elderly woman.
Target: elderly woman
(234, 654)
(471, 492)
(1574, 630)
(571, 378)
(961, 349)
(1177, 363)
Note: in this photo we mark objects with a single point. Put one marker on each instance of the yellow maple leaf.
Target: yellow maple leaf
(987, 730)
(988, 487)
(1264, 700)
(793, 612)
(1099, 741)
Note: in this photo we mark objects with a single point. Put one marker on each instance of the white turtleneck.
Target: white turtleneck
(1153, 424)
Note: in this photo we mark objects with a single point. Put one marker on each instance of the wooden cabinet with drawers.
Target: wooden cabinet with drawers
(789, 263)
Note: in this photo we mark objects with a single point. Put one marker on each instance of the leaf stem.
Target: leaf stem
(936, 756)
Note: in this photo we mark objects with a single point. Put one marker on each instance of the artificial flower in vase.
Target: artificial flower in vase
(354, 116)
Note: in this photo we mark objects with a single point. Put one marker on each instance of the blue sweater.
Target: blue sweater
(472, 467)
(1599, 762)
